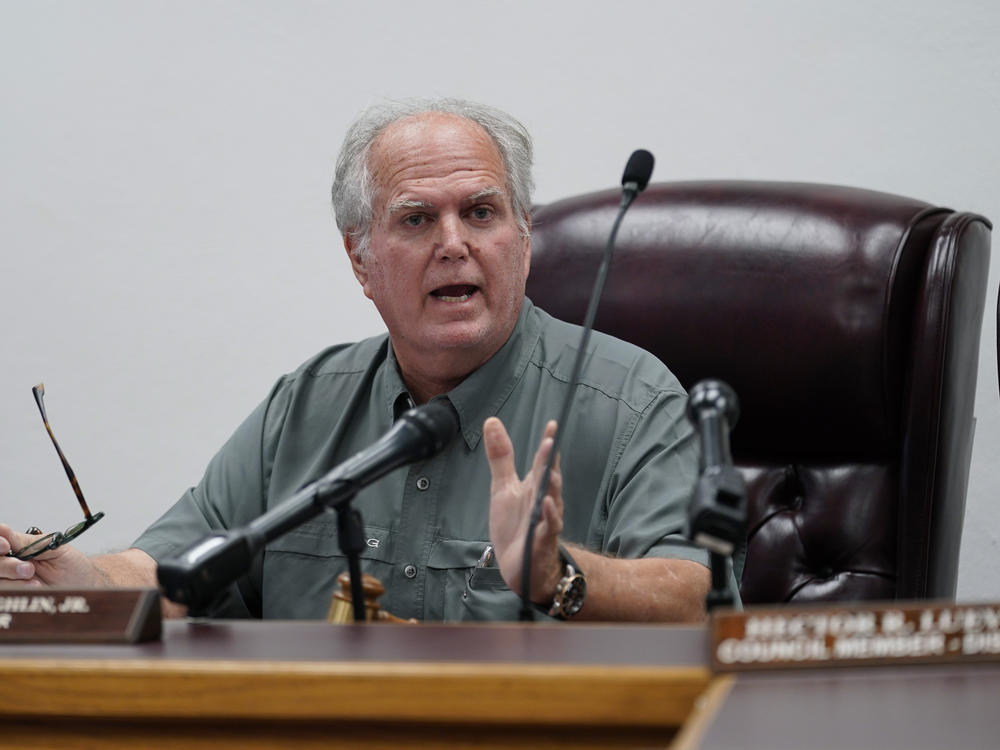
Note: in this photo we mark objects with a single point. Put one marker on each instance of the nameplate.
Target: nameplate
(854, 635)
(92, 615)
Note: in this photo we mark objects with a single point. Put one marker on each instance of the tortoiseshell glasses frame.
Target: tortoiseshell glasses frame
(57, 539)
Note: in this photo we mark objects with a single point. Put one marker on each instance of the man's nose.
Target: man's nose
(452, 240)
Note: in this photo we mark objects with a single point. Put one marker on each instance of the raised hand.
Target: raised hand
(511, 500)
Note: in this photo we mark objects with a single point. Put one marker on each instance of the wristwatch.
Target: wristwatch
(571, 589)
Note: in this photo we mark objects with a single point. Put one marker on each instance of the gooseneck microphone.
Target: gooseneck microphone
(717, 513)
(714, 410)
(638, 170)
(195, 576)
(635, 178)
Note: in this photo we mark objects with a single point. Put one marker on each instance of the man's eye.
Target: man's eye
(481, 213)
(414, 220)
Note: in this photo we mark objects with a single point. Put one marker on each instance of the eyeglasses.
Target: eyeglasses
(57, 538)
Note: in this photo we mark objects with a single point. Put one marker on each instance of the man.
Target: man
(432, 199)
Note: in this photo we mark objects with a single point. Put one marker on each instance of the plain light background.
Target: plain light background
(168, 249)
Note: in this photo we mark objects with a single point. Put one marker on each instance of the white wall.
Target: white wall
(167, 246)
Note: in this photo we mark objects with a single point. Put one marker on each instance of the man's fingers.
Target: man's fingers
(551, 523)
(499, 451)
(544, 447)
(10, 539)
(13, 569)
(555, 487)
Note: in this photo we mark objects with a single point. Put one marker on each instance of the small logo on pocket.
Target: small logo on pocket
(373, 543)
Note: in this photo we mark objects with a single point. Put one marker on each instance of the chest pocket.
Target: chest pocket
(301, 568)
(458, 590)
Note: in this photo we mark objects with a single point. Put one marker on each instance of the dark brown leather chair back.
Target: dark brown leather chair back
(847, 321)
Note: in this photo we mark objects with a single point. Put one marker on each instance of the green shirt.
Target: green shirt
(629, 460)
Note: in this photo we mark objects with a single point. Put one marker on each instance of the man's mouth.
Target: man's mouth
(455, 293)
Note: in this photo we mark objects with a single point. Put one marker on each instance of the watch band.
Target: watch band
(571, 590)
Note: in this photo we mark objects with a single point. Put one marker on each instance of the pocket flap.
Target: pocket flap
(455, 553)
(318, 538)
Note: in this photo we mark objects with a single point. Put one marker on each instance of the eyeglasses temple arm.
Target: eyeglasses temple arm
(39, 393)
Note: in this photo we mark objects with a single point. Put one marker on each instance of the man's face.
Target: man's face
(447, 263)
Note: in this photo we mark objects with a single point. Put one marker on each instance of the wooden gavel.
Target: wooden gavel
(342, 608)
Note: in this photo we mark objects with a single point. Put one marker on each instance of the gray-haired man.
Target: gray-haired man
(432, 199)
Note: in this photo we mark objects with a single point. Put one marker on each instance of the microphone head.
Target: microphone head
(437, 422)
(713, 395)
(638, 170)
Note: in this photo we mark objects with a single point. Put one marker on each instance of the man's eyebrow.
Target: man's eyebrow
(487, 192)
(405, 205)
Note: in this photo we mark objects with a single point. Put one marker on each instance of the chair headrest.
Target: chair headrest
(799, 296)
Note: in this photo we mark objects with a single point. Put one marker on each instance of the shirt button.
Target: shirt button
(410, 571)
(423, 483)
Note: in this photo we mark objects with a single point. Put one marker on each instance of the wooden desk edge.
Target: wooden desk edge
(499, 693)
(705, 709)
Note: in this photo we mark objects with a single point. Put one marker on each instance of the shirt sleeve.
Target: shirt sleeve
(647, 499)
(230, 494)
(652, 485)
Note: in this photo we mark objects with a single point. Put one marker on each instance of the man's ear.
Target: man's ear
(357, 264)
(527, 247)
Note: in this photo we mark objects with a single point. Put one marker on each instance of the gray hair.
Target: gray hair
(354, 190)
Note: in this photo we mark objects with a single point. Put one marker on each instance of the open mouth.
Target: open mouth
(455, 293)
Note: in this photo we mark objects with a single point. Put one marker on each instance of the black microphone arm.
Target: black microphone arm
(638, 170)
(717, 513)
(197, 575)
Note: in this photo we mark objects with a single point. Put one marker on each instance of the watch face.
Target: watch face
(573, 594)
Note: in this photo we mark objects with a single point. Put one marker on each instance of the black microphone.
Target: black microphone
(717, 511)
(638, 170)
(195, 576)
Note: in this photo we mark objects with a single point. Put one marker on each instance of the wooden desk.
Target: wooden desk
(308, 684)
(889, 708)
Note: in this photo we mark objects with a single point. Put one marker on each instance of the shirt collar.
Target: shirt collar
(395, 397)
(482, 393)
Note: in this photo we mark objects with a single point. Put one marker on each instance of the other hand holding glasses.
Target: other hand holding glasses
(56, 538)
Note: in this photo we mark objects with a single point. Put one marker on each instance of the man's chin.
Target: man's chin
(460, 337)
(466, 339)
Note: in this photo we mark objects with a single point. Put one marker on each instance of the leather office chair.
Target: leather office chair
(847, 321)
